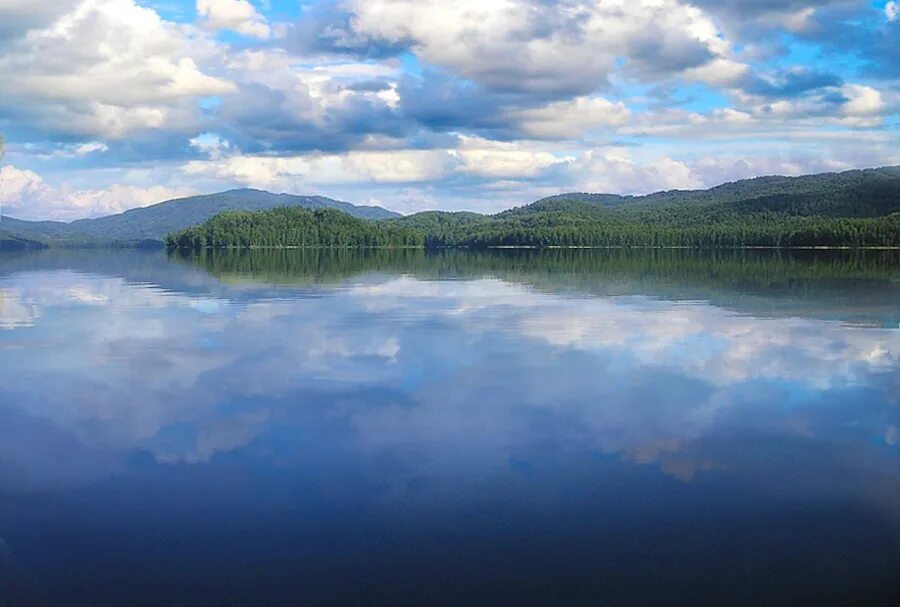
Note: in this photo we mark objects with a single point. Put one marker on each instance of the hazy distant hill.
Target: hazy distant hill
(152, 223)
(12, 242)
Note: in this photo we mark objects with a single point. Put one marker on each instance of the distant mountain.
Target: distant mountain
(853, 208)
(12, 242)
(859, 188)
(152, 223)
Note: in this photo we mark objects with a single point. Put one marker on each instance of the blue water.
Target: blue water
(459, 428)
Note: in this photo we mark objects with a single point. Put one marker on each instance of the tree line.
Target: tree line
(832, 212)
(292, 227)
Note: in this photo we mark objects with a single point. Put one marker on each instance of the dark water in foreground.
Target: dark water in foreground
(568, 428)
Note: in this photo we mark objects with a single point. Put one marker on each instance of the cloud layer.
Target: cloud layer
(416, 104)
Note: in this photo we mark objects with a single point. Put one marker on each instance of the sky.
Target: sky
(107, 105)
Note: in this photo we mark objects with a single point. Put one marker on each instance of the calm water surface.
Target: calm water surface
(395, 428)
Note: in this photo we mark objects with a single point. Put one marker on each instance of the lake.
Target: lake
(457, 428)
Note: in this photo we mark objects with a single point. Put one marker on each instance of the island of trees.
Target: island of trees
(852, 209)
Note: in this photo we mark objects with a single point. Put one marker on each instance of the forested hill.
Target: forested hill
(160, 219)
(823, 186)
(293, 227)
(152, 223)
(855, 209)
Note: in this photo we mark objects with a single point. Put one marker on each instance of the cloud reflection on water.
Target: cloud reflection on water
(452, 376)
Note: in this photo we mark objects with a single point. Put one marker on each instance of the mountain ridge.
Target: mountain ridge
(153, 222)
(772, 199)
(740, 189)
(855, 209)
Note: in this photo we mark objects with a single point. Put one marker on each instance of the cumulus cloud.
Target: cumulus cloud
(607, 170)
(861, 102)
(210, 144)
(572, 118)
(527, 45)
(104, 69)
(17, 17)
(237, 15)
(284, 172)
(466, 104)
(713, 170)
(288, 105)
(615, 170)
(502, 159)
(25, 195)
(892, 10)
(758, 17)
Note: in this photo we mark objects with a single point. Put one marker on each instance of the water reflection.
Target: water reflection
(572, 427)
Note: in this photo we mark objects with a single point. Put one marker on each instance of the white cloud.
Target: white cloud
(106, 68)
(18, 184)
(25, 195)
(77, 150)
(89, 148)
(849, 105)
(863, 104)
(609, 170)
(236, 15)
(210, 144)
(859, 106)
(713, 170)
(95, 71)
(17, 17)
(892, 10)
(720, 72)
(614, 170)
(529, 45)
(309, 103)
(402, 166)
(572, 118)
(497, 160)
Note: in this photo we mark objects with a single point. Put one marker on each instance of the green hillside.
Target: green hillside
(822, 186)
(855, 208)
(152, 223)
(292, 227)
(852, 209)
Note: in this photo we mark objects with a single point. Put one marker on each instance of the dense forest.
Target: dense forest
(293, 227)
(852, 209)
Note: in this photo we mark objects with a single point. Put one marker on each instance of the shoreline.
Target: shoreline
(541, 248)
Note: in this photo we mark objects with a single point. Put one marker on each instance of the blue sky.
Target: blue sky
(417, 104)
